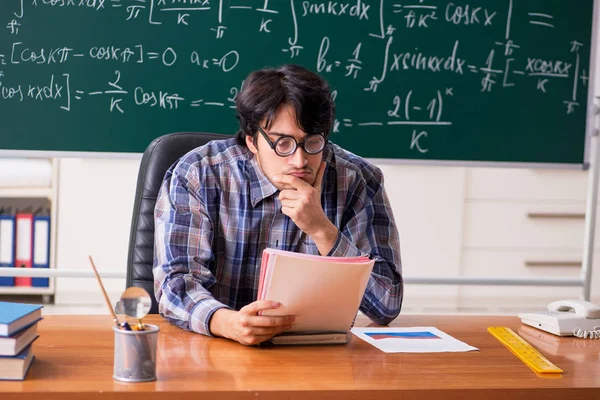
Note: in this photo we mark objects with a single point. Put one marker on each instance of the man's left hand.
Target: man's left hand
(302, 204)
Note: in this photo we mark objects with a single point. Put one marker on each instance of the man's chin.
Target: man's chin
(308, 179)
(285, 186)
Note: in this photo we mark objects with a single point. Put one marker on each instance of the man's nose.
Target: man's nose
(298, 159)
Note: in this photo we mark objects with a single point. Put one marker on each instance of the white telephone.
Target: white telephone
(567, 318)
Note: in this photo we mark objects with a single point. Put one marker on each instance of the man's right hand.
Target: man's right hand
(246, 326)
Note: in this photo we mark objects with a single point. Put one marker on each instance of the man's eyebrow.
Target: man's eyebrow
(280, 134)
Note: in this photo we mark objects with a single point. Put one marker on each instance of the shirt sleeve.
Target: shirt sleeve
(183, 253)
(369, 228)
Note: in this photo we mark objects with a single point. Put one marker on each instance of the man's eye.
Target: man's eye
(285, 145)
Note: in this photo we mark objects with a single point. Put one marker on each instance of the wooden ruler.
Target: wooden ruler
(523, 350)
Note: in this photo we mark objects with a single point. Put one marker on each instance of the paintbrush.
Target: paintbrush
(124, 324)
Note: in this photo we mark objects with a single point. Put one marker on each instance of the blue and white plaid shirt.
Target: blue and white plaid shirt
(216, 212)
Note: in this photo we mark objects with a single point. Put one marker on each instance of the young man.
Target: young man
(279, 183)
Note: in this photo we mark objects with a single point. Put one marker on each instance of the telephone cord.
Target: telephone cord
(580, 333)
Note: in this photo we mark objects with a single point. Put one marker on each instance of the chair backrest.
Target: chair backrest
(163, 152)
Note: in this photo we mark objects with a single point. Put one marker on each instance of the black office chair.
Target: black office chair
(158, 157)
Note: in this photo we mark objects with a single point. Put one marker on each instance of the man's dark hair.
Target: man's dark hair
(265, 90)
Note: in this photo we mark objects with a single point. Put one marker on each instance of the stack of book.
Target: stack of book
(18, 330)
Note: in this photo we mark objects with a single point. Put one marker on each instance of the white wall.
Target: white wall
(428, 204)
(95, 203)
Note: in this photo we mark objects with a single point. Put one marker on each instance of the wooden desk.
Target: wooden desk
(75, 361)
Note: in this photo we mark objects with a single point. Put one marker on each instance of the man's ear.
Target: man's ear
(250, 144)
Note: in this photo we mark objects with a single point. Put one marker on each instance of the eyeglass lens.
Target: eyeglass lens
(312, 145)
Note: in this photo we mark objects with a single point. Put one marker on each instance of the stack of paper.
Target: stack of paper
(323, 293)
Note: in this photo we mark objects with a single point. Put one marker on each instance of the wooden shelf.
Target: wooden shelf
(26, 192)
(26, 290)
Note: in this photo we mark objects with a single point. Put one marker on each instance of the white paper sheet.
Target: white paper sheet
(411, 340)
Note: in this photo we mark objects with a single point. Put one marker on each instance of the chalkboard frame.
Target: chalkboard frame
(590, 129)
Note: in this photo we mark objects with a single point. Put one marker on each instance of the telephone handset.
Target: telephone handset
(579, 307)
(567, 318)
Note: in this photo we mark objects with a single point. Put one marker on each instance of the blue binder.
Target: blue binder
(7, 247)
(41, 248)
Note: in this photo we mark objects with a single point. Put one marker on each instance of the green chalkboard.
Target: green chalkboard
(478, 80)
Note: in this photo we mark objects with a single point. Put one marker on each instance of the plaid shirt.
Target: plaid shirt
(216, 212)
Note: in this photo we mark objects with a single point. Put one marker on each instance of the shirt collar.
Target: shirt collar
(328, 155)
(260, 186)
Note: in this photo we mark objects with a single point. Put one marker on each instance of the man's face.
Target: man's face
(299, 164)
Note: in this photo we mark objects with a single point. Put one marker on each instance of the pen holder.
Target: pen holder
(135, 354)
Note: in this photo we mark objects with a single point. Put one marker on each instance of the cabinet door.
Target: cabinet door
(516, 225)
(427, 204)
(522, 223)
(95, 207)
(531, 264)
(526, 185)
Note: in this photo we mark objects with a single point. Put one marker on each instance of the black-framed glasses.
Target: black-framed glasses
(286, 145)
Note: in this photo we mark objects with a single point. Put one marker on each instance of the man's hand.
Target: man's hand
(302, 204)
(246, 326)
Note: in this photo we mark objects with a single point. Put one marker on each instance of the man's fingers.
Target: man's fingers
(289, 203)
(271, 322)
(287, 211)
(257, 335)
(288, 194)
(291, 180)
(261, 338)
(319, 178)
(259, 305)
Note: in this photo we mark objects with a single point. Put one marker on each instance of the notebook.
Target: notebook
(16, 367)
(323, 293)
(17, 316)
(13, 345)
